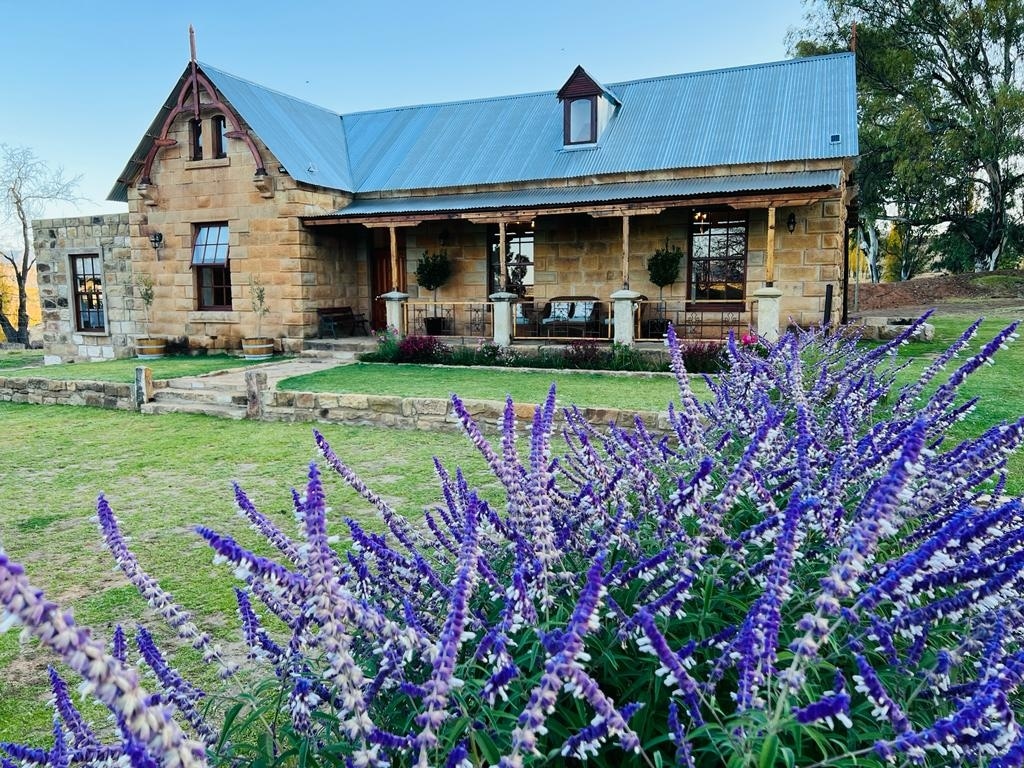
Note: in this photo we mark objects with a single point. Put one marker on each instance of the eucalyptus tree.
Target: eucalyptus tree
(941, 86)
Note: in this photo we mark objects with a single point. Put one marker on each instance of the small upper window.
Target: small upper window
(195, 128)
(219, 129)
(582, 115)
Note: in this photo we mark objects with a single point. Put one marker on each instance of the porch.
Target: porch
(568, 318)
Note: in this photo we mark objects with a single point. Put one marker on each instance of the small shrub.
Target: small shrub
(585, 354)
(422, 349)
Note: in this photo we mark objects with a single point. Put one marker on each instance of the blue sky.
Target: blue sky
(83, 80)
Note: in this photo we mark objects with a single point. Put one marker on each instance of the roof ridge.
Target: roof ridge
(604, 85)
(760, 65)
(208, 67)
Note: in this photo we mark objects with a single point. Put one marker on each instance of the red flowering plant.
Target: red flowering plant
(798, 571)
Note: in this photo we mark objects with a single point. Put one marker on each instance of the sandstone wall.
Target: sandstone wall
(99, 394)
(56, 241)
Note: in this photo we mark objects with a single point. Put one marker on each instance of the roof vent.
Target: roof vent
(834, 138)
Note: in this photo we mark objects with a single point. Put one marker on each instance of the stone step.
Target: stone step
(342, 356)
(212, 396)
(219, 410)
(352, 345)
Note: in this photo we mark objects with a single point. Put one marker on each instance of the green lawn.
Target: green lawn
(123, 370)
(20, 358)
(596, 389)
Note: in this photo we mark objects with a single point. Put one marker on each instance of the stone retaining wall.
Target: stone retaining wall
(426, 413)
(100, 394)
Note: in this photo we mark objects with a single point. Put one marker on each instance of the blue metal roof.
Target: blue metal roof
(309, 141)
(787, 110)
(593, 193)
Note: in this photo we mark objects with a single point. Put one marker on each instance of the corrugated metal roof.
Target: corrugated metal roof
(787, 110)
(782, 111)
(593, 193)
(309, 141)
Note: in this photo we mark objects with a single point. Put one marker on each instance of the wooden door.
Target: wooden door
(381, 279)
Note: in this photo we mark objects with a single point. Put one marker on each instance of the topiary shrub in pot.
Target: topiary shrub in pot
(433, 271)
(663, 269)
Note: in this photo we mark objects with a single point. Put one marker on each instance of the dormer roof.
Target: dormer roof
(581, 84)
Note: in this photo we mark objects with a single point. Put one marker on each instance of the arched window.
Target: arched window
(581, 121)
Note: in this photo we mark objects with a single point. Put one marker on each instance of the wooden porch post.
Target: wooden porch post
(769, 252)
(393, 231)
(502, 248)
(625, 251)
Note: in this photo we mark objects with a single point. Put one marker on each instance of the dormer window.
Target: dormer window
(581, 117)
(588, 107)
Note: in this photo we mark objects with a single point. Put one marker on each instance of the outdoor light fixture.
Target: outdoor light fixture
(156, 240)
(791, 223)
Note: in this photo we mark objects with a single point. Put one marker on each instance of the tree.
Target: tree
(941, 87)
(27, 184)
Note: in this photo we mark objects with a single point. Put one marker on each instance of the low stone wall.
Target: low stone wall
(426, 413)
(99, 394)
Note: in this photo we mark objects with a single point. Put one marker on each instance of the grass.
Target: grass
(20, 358)
(594, 389)
(165, 474)
(123, 370)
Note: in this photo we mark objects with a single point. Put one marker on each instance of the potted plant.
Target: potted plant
(433, 271)
(147, 347)
(663, 269)
(258, 347)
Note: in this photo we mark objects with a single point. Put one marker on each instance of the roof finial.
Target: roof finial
(853, 37)
(192, 42)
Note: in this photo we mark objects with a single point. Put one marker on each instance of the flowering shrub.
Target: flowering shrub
(799, 573)
(584, 353)
(422, 349)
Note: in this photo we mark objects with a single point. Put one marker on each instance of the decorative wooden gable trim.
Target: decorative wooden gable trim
(188, 101)
(579, 85)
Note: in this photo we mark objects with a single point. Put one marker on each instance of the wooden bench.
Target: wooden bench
(333, 319)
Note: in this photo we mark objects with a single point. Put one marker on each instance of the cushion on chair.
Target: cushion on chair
(583, 310)
(560, 310)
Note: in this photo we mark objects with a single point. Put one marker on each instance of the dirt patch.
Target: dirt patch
(969, 293)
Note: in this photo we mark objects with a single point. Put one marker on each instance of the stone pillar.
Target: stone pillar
(503, 317)
(624, 315)
(255, 384)
(395, 303)
(768, 313)
(143, 386)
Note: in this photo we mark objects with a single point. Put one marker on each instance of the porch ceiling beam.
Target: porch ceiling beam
(785, 199)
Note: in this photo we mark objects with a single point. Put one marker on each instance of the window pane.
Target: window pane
(518, 260)
(718, 261)
(211, 245)
(580, 128)
(87, 283)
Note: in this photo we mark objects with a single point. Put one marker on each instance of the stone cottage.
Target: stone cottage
(548, 205)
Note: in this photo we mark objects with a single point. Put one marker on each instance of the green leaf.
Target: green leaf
(769, 751)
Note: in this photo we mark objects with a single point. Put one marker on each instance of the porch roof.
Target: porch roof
(663, 191)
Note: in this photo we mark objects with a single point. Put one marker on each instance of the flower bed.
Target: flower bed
(800, 574)
(581, 354)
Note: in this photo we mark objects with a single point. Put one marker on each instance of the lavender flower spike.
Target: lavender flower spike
(105, 677)
(156, 596)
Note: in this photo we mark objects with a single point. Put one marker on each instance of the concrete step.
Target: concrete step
(211, 396)
(342, 356)
(219, 410)
(353, 345)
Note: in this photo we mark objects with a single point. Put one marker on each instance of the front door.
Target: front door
(381, 279)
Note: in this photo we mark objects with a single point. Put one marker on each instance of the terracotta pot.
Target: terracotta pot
(150, 349)
(257, 348)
